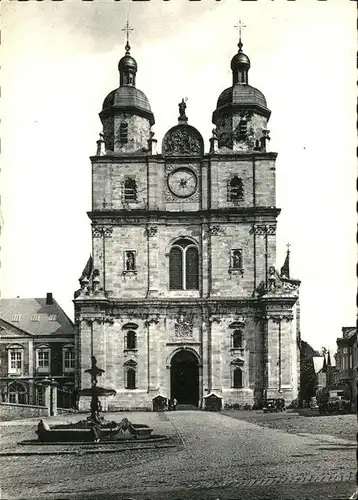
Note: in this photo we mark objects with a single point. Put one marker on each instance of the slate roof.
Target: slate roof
(34, 316)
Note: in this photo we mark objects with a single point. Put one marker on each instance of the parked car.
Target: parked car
(313, 404)
(275, 405)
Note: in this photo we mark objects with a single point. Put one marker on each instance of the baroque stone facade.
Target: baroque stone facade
(180, 296)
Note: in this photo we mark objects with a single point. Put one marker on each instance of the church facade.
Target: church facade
(180, 296)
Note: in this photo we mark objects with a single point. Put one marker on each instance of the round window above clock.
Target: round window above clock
(182, 182)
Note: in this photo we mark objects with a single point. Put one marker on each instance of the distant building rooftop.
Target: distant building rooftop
(37, 316)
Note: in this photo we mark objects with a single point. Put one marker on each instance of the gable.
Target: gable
(8, 330)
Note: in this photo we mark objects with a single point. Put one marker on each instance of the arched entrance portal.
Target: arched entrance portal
(184, 378)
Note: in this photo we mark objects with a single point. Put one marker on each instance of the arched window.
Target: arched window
(183, 266)
(237, 378)
(130, 189)
(237, 339)
(131, 340)
(123, 132)
(235, 189)
(18, 393)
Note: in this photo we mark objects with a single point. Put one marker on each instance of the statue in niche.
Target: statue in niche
(272, 279)
(236, 259)
(130, 261)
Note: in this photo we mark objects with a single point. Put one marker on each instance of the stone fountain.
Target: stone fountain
(95, 427)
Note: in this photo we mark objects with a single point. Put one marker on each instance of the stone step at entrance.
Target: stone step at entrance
(186, 407)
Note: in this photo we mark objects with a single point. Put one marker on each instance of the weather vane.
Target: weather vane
(288, 247)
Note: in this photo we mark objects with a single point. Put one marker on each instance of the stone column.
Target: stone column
(47, 391)
(53, 389)
(31, 386)
(272, 357)
(153, 333)
(216, 354)
(280, 353)
(264, 251)
(205, 260)
(213, 201)
(288, 358)
(153, 260)
(86, 341)
(205, 328)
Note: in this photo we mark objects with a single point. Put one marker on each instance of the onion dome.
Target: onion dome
(127, 97)
(240, 63)
(127, 61)
(127, 67)
(241, 95)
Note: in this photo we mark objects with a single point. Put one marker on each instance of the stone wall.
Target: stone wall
(11, 411)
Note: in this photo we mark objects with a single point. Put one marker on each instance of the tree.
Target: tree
(308, 377)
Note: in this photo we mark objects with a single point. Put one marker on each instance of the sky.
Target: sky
(59, 61)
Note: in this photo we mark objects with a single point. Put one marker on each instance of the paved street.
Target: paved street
(215, 457)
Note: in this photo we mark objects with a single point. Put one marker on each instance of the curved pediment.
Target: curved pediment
(183, 140)
(237, 362)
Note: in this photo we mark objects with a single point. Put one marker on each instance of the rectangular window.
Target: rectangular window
(15, 361)
(15, 318)
(130, 190)
(68, 360)
(35, 317)
(52, 317)
(43, 359)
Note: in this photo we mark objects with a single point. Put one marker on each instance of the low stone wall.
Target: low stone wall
(65, 411)
(13, 411)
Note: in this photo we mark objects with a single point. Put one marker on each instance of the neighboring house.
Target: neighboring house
(347, 361)
(36, 341)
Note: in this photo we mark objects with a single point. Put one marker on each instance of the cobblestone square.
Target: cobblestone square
(215, 457)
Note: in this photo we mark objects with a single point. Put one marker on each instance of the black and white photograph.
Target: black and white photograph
(178, 250)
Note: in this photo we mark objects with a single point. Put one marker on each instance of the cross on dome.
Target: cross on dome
(127, 28)
(240, 26)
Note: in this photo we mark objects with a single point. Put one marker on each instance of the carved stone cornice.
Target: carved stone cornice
(102, 231)
(97, 319)
(216, 230)
(263, 229)
(278, 318)
(152, 320)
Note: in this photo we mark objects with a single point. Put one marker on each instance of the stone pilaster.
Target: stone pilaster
(216, 365)
(205, 259)
(153, 260)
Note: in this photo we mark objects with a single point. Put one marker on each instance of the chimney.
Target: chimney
(49, 299)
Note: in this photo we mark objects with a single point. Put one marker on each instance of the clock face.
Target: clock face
(182, 182)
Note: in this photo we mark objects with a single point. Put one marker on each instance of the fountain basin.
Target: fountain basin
(83, 431)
